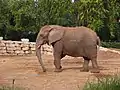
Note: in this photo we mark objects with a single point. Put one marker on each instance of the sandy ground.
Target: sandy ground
(27, 72)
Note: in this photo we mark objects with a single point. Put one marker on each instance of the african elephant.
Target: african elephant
(72, 41)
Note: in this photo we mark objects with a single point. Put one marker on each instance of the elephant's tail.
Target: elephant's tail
(98, 42)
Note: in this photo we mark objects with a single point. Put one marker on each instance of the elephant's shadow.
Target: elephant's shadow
(71, 64)
(72, 68)
(80, 68)
(76, 64)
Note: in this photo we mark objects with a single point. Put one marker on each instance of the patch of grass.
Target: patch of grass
(106, 83)
(12, 87)
(5, 87)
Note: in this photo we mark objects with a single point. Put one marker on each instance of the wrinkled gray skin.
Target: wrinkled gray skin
(72, 41)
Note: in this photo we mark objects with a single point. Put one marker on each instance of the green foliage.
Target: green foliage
(30, 15)
(4, 17)
(111, 44)
(23, 14)
(107, 83)
(53, 12)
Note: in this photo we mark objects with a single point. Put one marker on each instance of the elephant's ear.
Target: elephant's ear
(55, 34)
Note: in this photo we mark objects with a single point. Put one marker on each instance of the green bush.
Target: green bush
(111, 44)
(106, 83)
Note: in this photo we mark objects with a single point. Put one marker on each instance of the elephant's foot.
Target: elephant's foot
(44, 70)
(95, 70)
(58, 69)
(84, 70)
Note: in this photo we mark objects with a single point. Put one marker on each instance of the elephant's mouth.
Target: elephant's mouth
(38, 47)
(44, 42)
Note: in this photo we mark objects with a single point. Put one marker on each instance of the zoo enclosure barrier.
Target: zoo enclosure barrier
(21, 48)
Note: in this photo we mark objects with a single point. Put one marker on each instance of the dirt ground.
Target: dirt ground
(27, 72)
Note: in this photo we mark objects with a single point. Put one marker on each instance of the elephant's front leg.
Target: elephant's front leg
(57, 56)
(57, 63)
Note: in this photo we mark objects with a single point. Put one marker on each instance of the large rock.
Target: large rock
(2, 48)
(19, 52)
(25, 48)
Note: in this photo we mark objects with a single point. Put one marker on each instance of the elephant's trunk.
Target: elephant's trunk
(38, 53)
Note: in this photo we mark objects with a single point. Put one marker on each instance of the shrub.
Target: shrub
(111, 44)
(106, 83)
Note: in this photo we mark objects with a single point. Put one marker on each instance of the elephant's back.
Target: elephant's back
(77, 39)
(79, 33)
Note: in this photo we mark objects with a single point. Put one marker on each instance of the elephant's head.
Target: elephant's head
(48, 34)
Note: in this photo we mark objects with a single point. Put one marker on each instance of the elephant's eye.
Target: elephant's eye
(41, 35)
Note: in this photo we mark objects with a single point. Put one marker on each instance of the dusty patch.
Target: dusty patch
(27, 72)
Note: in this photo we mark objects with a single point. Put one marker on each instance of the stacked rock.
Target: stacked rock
(2, 48)
(21, 48)
(16, 48)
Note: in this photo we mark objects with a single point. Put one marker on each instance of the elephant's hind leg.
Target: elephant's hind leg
(85, 65)
(95, 68)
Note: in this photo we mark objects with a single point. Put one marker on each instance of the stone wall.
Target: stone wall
(21, 48)
(25, 48)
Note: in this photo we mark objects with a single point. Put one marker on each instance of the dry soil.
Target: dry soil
(27, 72)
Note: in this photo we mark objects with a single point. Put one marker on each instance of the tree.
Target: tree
(4, 17)
(54, 12)
(25, 17)
(23, 13)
